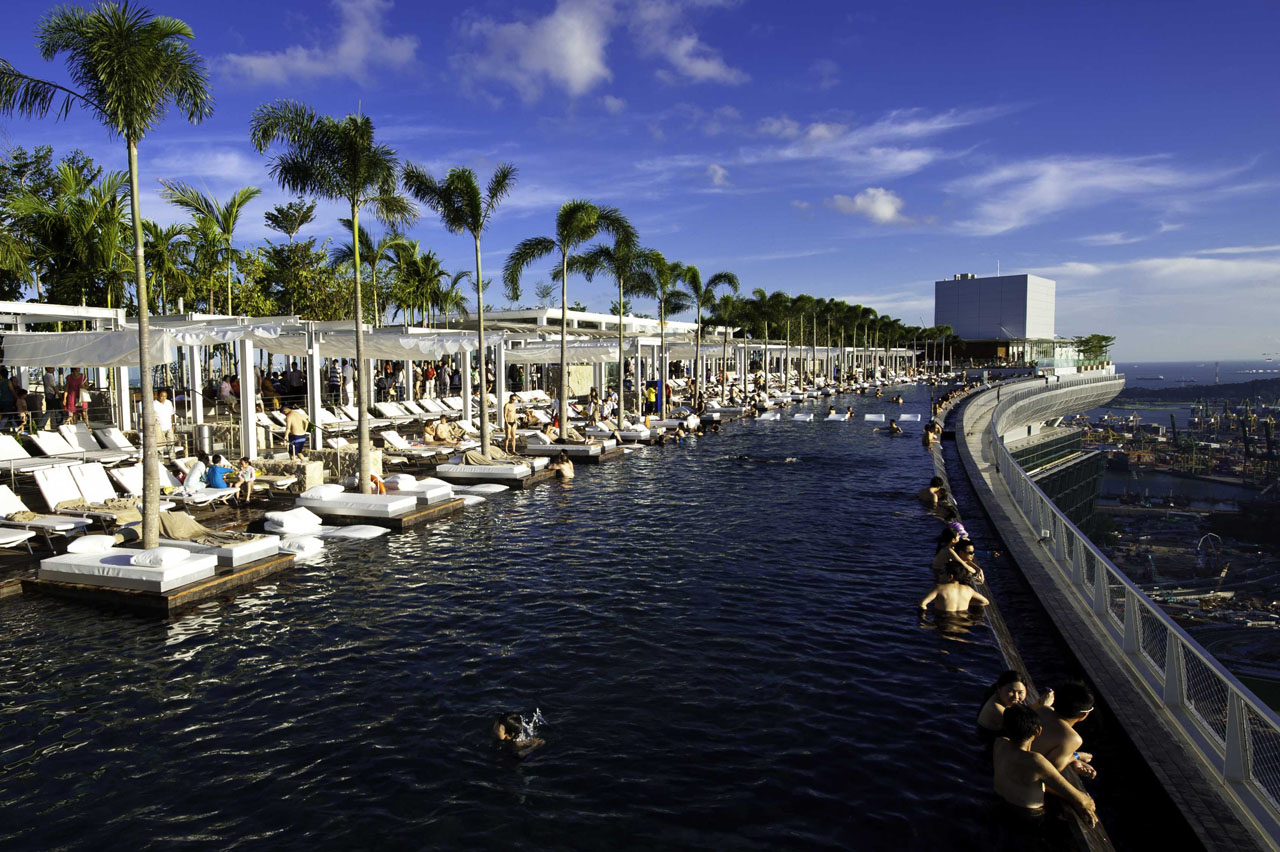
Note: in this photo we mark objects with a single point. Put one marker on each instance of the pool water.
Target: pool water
(727, 652)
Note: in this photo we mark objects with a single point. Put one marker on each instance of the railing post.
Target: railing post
(1077, 564)
(1099, 589)
(1237, 764)
(1175, 672)
(1132, 622)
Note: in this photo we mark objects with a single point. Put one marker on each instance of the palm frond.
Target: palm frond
(526, 252)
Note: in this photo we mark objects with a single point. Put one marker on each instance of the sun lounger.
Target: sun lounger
(512, 472)
(79, 436)
(330, 422)
(46, 525)
(114, 568)
(402, 445)
(12, 537)
(394, 413)
(113, 439)
(95, 486)
(15, 458)
(453, 402)
(58, 489)
(353, 414)
(130, 480)
(346, 504)
(54, 445)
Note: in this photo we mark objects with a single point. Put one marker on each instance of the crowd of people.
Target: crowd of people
(1032, 744)
(59, 400)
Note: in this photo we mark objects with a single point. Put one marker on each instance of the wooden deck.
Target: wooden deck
(409, 520)
(163, 603)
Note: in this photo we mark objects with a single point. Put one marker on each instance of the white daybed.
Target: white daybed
(427, 490)
(334, 501)
(510, 472)
(114, 568)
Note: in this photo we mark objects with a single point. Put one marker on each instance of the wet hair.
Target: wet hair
(1072, 699)
(202, 457)
(564, 456)
(965, 544)
(1006, 678)
(509, 721)
(1020, 723)
(937, 482)
(947, 537)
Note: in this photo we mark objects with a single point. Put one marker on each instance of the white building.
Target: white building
(1004, 307)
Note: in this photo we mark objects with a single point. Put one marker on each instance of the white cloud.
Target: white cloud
(1156, 305)
(1111, 238)
(801, 205)
(719, 175)
(781, 126)
(878, 204)
(1241, 250)
(1022, 193)
(659, 29)
(882, 149)
(217, 165)
(565, 48)
(827, 73)
(613, 105)
(362, 43)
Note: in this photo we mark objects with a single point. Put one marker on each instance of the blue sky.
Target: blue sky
(858, 150)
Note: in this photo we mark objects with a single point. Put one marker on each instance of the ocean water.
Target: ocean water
(1143, 374)
(725, 647)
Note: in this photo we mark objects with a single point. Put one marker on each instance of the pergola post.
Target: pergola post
(248, 400)
(313, 387)
(124, 398)
(499, 343)
(466, 388)
(195, 393)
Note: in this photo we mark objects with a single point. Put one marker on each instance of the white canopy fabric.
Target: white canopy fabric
(261, 334)
(81, 348)
(549, 353)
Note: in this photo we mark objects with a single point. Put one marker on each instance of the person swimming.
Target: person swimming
(509, 731)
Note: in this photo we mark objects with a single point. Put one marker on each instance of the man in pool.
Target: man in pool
(1022, 775)
(509, 732)
(563, 465)
(952, 595)
(1058, 740)
(893, 428)
(932, 493)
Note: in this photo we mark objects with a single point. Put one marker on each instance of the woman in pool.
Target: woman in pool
(508, 730)
(1009, 689)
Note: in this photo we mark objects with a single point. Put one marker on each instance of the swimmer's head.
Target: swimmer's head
(507, 726)
(1020, 724)
(936, 482)
(1072, 700)
(1011, 688)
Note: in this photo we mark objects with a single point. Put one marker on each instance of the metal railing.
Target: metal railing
(1235, 733)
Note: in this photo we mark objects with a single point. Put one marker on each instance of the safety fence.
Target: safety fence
(1218, 717)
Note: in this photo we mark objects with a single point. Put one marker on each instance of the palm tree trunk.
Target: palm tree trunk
(662, 354)
(564, 344)
(484, 371)
(362, 378)
(697, 359)
(622, 391)
(724, 371)
(150, 462)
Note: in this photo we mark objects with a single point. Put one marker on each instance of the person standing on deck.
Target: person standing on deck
(51, 399)
(335, 381)
(348, 382)
(511, 419)
(163, 407)
(295, 428)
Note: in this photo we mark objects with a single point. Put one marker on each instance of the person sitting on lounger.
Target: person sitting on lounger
(442, 432)
(245, 475)
(219, 474)
(508, 730)
(563, 465)
(194, 480)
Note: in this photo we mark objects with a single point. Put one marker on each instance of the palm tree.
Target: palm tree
(224, 215)
(660, 279)
(167, 249)
(372, 254)
(578, 222)
(702, 295)
(452, 300)
(417, 280)
(727, 309)
(336, 158)
(129, 68)
(623, 261)
(291, 218)
(462, 208)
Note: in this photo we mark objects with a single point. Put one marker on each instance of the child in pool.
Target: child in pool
(509, 732)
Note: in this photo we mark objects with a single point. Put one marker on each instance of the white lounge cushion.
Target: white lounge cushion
(161, 557)
(485, 488)
(91, 544)
(472, 500)
(301, 545)
(398, 481)
(296, 520)
(487, 471)
(323, 492)
(538, 438)
(232, 555)
(354, 531)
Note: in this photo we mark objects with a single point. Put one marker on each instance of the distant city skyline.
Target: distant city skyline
(1123, 150)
